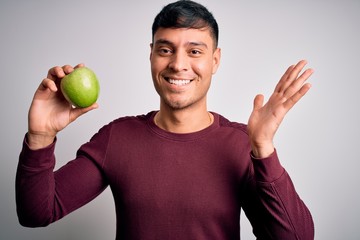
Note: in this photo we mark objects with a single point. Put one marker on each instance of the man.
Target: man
(178, 173)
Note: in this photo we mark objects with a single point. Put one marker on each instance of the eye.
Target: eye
(165, 51)
(195, 52)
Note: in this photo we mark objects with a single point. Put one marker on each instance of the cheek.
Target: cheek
(203, 68)
(157, 65)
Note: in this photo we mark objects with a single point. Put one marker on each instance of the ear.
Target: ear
(216, 59)
(151, 46)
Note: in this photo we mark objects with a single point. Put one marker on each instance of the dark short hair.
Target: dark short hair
(186, 14)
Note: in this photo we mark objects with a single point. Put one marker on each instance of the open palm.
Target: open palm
(266, 118)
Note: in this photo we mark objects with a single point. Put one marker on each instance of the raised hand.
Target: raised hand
(49, 111)
(266, 119)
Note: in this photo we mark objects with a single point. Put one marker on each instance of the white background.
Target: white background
(317, 143)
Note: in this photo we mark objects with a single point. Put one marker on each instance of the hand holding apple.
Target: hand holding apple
(50, 112)
(80, 87)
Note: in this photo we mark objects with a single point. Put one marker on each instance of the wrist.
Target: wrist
(38, 140)
(263, 150)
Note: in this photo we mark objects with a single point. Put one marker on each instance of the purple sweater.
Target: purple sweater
(166, 185)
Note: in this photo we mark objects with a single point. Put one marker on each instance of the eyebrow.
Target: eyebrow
(167, 42)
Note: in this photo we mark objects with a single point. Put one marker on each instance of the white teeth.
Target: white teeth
(179, 82)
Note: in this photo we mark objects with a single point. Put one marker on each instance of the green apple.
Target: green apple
(81, 87)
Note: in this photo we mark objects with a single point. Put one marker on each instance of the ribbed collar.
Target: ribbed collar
(183, 137)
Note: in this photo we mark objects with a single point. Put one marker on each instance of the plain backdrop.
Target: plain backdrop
(317, 142)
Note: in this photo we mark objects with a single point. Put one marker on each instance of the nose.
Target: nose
(179, 62)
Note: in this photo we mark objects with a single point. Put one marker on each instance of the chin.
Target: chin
(176, 104)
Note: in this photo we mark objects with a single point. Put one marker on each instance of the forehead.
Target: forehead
(179, 36)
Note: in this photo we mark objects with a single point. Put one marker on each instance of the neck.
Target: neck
(184, 120)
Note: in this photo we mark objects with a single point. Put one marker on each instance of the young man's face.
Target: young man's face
(182, 64)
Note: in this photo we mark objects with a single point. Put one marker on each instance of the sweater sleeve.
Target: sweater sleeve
(273, 206)
(44, 195)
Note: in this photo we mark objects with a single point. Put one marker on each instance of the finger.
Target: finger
(79, 65)
(296, 70)
(291, 75)
(289, 103)
(48, 84)
(298, 83)
(77, 112)
(56, 73)
(67, 69)
(258, 101)
(283, 79)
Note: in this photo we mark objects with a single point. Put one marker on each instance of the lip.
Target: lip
(178, 85)
(178, 81)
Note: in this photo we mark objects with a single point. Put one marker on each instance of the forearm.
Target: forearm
(285, 216)
(35, 187)
(289, 218)
(44, 196)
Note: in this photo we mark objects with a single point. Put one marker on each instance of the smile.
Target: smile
(178, 82)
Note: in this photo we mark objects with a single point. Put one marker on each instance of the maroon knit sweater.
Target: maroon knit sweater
(166, 185)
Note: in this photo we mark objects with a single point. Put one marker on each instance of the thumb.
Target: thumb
(77, 112)
(258, 101)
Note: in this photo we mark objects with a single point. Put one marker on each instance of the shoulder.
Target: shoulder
(126, 121)
(231, 133)
(125, 124)
(226, 124)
